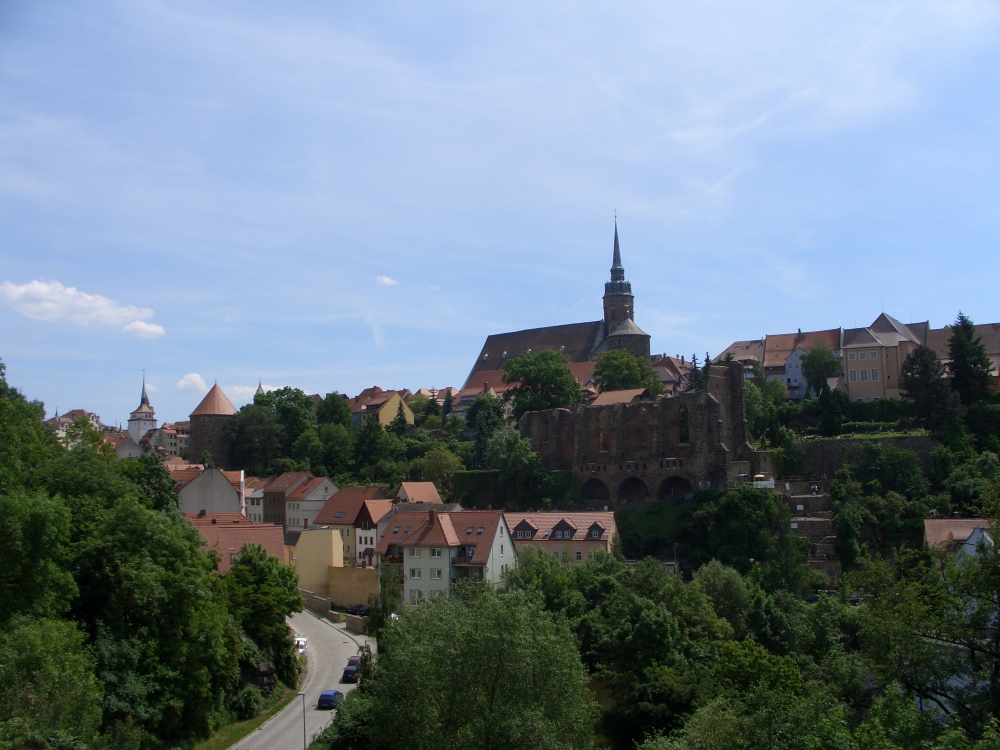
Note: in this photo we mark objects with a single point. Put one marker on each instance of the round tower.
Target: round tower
(618, 300)
(143, 419)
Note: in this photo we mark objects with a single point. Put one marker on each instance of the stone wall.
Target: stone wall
(208, 433)
(628, 454)
(824, 457)
(349, 586)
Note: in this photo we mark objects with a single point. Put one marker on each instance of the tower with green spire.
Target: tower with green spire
(143, 419)
(618, 300)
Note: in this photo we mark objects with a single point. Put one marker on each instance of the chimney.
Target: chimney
(433, 518)
(214, 520)
(486, 387)
(201, 513)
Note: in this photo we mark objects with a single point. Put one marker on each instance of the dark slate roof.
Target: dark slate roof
(292, 538)
(578, 342)
(629, 328)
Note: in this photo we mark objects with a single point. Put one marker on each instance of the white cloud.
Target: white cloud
(144, 330)
(385, 281)
(151, 388)
(51, 301)
(246, 392)
(192, 382)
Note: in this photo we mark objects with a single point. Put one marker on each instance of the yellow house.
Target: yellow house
(568, 536)
(379, 405)
(313, 553)
(873, 357)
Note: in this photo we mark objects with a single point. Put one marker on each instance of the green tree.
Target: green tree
(440, 464)
(309, 451)
(923, 382)
(619, 370)
(819, 364)
(970, 367)
(448, 405)
(255, 438)
(479, 671)
(294, 410)
(485, 417)
(25, 441)
(338, 448)
(399, 425)
(49, 695)
(697, 379)
(262, 592)
(539, 381)
(334, 409)
(832, 405)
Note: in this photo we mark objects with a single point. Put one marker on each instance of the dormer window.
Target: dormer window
(406, 530)
(479, 530)
(395, 530)
(339, 514)
(468, 530)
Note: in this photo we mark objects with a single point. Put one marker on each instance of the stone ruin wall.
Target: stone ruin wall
(629, 454)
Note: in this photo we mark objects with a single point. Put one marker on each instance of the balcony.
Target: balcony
(392, 559)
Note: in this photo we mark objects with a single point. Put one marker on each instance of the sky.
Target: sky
(333, 195)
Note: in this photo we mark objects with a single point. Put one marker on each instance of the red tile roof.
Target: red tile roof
(304, 489)
(215, 403)
(348, 502)
(287, 482)
(778, 348)
(229, 538)
(944, 531)
(419, 492)
(183, 476)
(545, 522)
(620, 397)
(430, 528)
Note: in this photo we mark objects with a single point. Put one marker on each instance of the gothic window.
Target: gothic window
(685, 429)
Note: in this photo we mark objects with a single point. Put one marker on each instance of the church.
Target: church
(582, 343)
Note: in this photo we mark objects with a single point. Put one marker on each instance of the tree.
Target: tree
(49, 695)
(539, 381)
(479, 671)
(262, 592)
(485, 417)
(970, 367)
(399, 425)
(334, 409)
(923, 382)
(697, 379)
(294, 410)
(818, 365)
(832, 407)
(448, 405)
(255, 438)
(440, 464)
(619, 370)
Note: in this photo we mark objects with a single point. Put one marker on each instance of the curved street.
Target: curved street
(330, 646)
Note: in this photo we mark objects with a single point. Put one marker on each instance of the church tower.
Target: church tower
(618, 300)
(143, 419)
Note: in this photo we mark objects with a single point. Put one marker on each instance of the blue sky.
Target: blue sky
(336, 195)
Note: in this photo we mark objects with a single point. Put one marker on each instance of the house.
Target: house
(275, 494)
(355, 512)
(416, 492)
(168, 438)
(313, 553)
(783, 356)
(435, 550)
(988, 333)
(60, 424)
(305, 501)
(570, 537)
(672, 371)
(956, 534)
(124, 445)
(227, 533)
(874, 356)
(212, 492)
(374, 403)
(254, 493)
(744, 352)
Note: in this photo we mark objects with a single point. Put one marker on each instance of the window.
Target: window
(339, 514)
(527, 534)
(859, 400)
(414, 573)
(435, 552)
(415, 597)
(468, 530)
(395, 530)
(479, 530)
(862, 355)
(414, 551)
(501, 550)
(520, 535)
(850, 355)
(406, 529)
(595, 533)
(436, 574)
(854, 376)
(874, 373)
(864, 376)
(564, 556)
(579, 557)
(873, 355)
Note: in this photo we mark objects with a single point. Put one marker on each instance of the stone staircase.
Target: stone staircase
(812, 518)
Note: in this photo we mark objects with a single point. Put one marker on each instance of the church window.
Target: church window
(685, 428)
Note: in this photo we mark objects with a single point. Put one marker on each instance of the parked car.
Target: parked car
(301, 643)
(359, 609)
(350, 674)
(354, 661)
(330, 699)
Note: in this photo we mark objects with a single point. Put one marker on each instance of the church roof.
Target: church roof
(144, 406)
(629, 328)
(215, 404)
(576, 340)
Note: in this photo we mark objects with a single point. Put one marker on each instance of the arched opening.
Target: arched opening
(673, 488)
(632, 492)
(595, 493)
(685, 428)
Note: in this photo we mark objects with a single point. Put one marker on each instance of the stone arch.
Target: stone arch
(674, 487)
(596, 494)
(632, 492)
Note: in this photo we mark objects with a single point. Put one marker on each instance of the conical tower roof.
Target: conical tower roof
(260, 388)
(617, 269)
(215, 404)
(144, 406)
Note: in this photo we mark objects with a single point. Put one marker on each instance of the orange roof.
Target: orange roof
(255, 484)
(778, 348)
(431, 528)
(378, 508)
(229, 538)
(944, 531)
(234, 477)
(619, 397)
(543, 523)
(216, 518)
(215, 404)
(419, 492)
(288, 481)
(347, 503)
(185, 475)
(304, 489)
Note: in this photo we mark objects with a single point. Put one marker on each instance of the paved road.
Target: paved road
(329, 648)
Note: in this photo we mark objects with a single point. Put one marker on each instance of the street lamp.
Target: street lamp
(303, 720)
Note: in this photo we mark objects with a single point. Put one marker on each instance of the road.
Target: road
(329, 648)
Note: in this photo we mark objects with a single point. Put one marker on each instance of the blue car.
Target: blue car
(330, 699)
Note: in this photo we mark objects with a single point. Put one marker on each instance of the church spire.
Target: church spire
(145, 398)
(617, 269)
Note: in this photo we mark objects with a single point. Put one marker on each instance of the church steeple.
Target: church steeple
(145, 398)
(617, 293)
(617, 269)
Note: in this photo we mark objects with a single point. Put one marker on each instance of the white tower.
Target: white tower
(143, 419)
